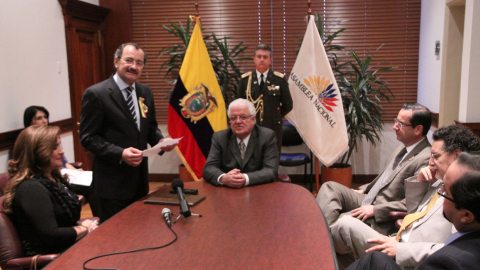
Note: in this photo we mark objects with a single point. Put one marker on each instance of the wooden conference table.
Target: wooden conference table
(271, 226)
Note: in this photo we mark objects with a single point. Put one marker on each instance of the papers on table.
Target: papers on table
(82, 178)
(156, 149)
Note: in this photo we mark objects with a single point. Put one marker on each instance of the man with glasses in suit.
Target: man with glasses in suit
(425, 230)
(461, 207)
(245, 154)
(372, 203)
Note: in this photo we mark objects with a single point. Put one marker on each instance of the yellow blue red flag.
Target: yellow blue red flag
(196, 109)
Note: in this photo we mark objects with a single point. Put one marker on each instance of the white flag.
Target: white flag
(317, 104)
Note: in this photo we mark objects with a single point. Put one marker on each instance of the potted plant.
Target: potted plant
(362, 91)
(223, 57)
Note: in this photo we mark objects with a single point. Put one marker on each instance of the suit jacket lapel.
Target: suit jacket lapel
(117, 96)
(141, 93)
(256, 91)
(407, 159)
(438, 206)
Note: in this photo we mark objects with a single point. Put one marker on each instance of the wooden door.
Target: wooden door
(84, 32)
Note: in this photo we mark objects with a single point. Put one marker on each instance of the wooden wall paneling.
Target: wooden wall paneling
(86, 58)
(118, 29)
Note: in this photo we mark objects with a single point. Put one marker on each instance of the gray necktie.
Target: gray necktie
(130, 105)
(241, 144)
(262, 83)
(399, 157)
(372, 193)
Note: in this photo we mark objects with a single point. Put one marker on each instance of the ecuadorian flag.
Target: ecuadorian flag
(196, 109)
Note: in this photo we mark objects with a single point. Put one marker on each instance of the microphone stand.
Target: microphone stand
(179, 215)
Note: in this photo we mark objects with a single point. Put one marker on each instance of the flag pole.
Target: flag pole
(193, 18)
(317, 165)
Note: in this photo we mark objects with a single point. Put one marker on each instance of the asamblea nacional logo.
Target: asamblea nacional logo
(324, 91)
(198, 103)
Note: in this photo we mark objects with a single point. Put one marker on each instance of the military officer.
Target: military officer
(268, 91)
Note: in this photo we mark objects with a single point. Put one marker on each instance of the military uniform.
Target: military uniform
(275, 96)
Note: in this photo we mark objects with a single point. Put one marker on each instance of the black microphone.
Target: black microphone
(177, 185)
(166, 215)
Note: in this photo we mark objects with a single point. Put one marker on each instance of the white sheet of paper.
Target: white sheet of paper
(82, 178)
(156, 149)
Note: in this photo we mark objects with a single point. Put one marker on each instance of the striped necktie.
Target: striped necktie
(242, 148)
(130, 105)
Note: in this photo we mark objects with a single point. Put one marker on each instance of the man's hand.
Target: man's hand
(359, 191)
(168, 148)
(427, 174)
(387, 245)
(132, 156)
(363, 212)
(233, 179)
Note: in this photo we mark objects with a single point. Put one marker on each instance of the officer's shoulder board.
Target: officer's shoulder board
(244, 75)
(278, 74)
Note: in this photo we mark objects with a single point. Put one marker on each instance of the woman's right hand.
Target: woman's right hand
(91, 224)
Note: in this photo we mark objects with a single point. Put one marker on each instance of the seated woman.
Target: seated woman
(45, 211)
(38, 116)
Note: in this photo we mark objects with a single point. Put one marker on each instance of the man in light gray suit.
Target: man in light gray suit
(420, 234)
(372, 202)
(244, 154)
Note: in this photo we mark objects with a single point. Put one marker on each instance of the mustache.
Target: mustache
(132, 71)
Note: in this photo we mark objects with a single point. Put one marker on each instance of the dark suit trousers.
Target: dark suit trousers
(110, 207)
(375, 261)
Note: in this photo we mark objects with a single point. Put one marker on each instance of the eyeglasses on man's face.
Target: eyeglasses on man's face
(436, 156)
(131, 62)
(441, 192)
(401, 124)
(242, 117)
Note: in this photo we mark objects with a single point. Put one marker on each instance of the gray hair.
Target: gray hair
(470, 160)
(242, 102)
(263, 47)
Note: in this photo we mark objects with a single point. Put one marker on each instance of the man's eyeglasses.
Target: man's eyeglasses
(130, 62)
(441, 192)
(242, 117)
(436, 156)
(401, 124)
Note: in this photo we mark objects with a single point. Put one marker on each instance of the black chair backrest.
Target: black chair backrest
(10, 246)
(290, 136)
(3, 182)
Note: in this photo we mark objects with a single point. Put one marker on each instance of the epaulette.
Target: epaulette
(278, 74)
(246, 74)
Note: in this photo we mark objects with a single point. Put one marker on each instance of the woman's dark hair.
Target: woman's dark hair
(30, 113)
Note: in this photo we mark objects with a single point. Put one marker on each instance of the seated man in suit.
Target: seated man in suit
(462, 198)
(245, 154)
(422, 232)
(372, 202)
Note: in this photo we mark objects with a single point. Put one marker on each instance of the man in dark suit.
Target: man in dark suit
(244, 154)
(116, 123)
(461, 191)
(268, 91)
(372, 202)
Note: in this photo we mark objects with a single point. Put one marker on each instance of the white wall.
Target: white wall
(429, 65)
(34, 69)
(470, 80)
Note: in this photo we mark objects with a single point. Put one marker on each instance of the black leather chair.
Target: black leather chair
(3, 182)
(11, 252)
(292, 138)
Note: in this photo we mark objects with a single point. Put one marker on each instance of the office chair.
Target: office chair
(3, 182)
(292, 138)
(11, 253)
